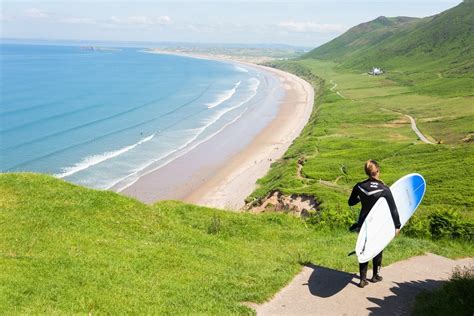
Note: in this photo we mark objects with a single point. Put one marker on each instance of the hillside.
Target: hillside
(362, 37)
(359, 117)
(434, 53)
(65, 249)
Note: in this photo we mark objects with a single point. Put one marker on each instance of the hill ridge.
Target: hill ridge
(447, 35)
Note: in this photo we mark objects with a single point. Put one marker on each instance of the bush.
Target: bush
(449, 224)
(337, 217)
(215, 226)
(417, 227)
(446, 224)
(453, 298)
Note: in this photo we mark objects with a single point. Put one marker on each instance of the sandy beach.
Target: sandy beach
(223, 171)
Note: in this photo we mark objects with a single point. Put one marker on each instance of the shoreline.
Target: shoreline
(226, 184)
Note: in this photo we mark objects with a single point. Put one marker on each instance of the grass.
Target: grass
(431, 55)
(369, 122)
(67, 249)
(452, 298)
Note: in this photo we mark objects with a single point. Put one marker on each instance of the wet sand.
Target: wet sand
(222, 171)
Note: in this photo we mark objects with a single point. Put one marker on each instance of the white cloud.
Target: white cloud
(35, 13)
(164, 19)
(140, 20)
(73, 20)
(5, 18)
(311, 27)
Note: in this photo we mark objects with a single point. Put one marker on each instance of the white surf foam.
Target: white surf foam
(133, 177)
(224, 96)
(254, 83)
(241, 69)
(97, 159)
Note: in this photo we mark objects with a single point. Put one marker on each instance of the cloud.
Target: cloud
(5, 18)
(164, 19)
(74, 20)
(113, 21)
(35, 14)
(311, 27)
(140, 20)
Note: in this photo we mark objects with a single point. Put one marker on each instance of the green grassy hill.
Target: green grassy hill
(434, 53)
(359, 117)
(362, 37)
(65, 249)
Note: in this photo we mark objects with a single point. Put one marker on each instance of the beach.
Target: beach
(223, 171)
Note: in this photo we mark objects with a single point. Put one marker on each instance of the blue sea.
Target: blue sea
(100, 117)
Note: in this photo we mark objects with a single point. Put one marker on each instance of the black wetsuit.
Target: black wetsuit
(368, 192)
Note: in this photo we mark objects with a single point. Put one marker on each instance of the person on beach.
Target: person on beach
(368, 192)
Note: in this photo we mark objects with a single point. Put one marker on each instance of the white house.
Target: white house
(376, 71)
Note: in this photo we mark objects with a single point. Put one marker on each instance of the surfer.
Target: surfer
(368, 192)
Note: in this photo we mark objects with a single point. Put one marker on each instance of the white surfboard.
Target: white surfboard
(378, 229)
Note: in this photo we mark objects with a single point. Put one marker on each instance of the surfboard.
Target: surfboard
(378, 229)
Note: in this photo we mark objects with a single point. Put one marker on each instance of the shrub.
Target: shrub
(446, 224)
(215, 226)
(337, 217)
(453, 298)
(417, 227)
(449, 224)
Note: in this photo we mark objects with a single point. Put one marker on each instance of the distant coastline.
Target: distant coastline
(236, 58)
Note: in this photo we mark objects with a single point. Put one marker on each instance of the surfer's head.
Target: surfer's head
(372, 169)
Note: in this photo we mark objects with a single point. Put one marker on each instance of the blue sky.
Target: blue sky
(297, 22)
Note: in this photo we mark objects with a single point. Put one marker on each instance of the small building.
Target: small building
(376, 71)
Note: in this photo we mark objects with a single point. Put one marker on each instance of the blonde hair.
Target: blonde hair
(372, 169)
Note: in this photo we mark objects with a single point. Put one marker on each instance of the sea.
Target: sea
(103, 117)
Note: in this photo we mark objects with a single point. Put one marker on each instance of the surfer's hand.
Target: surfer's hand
(397, 231)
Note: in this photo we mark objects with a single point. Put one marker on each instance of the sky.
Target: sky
(308, 23)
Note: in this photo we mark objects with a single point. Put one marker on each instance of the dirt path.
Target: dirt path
(413, 127)
(322, 291)
(334, 87)
(417, 131)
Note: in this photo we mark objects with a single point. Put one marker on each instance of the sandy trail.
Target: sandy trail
(417, 131)
(334, 87)
(413, 127)
(321, 291)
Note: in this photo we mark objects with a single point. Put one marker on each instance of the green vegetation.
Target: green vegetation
(369, 121)
(453, 298)
(67, 249)
(433, 55)
(358, 117)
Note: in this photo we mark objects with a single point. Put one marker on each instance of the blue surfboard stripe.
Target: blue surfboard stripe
(418, 187)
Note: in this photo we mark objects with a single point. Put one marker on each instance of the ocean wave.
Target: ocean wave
(34, 107)
(254, 83)
(241, 69)
(224, 96)
(97, 159)
(85, 108)
(135, 175)
(96, 138)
